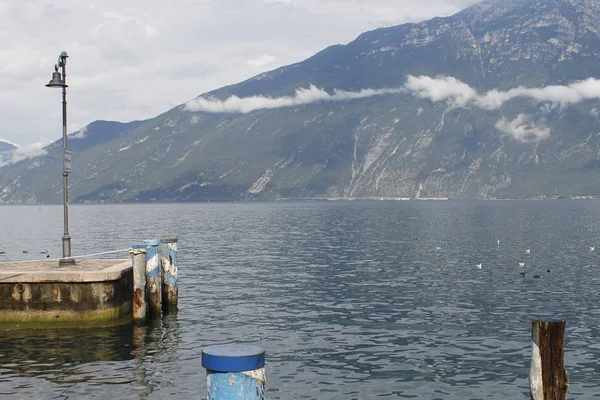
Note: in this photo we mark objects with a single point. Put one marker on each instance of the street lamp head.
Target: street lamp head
(56, 80)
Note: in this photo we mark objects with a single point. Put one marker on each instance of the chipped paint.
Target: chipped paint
(248, 385)
(153, 278)
(168, 260)
(535, 374)
(139, 283)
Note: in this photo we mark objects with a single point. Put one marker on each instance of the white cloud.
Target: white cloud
(80, 134)
(459, 94)
(262, 60)
(285, 2)
(449, 89)
(302, 96)
(24, 152)
(523, 129)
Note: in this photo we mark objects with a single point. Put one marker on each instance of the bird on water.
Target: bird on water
(479, 266)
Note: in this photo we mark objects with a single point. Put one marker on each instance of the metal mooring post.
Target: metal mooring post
(168, 260)
(138, 253)
(234, 372)
(548, 378)
(153, 278)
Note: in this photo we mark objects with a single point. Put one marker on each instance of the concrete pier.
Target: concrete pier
(89, 292)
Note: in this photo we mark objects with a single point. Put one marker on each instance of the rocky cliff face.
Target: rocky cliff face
(487, 103)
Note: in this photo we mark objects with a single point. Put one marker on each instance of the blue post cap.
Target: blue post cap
(151, 242)
(169, 239)
(139, 246)
(233, 357)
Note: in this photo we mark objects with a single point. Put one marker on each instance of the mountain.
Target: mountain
(6, 150)
(498, 101)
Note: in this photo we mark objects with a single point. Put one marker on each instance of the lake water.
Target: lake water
(351, 300)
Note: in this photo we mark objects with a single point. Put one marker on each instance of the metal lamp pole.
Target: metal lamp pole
(61, 82)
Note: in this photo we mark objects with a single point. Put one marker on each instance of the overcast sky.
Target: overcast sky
(134, 59)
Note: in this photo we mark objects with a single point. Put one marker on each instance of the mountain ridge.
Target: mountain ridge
(437, 136)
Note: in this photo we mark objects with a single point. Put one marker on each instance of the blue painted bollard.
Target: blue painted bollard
(138, 254)
(234, 372)
(153, 278)
(168, 261)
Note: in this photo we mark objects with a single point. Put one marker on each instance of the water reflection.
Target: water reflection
(77, 360)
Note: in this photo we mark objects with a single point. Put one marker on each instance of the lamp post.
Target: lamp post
(59, 81)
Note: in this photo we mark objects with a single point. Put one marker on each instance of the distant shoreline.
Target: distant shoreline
(305, 199)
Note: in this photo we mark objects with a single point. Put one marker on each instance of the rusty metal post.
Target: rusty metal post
(138, 253)
(548, 378)
(168, 260)
(153, 278)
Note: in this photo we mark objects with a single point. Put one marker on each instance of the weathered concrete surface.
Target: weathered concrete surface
(89, 292)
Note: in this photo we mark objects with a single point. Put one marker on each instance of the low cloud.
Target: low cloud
(262, 60)
(80, 134)
(459, 94)
(455, 92)
(449, 89)
(302, 96)
(24, 152)
(523, 129)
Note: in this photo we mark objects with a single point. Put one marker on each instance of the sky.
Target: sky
(134, 59)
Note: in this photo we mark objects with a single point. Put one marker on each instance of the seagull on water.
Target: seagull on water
(592, 248)
(528, 251)
(521, 264)
(479, 266)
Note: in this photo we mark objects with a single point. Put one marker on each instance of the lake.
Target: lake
(351, 300)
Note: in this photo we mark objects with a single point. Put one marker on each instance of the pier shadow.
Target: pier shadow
(35, 352)
(69, 356)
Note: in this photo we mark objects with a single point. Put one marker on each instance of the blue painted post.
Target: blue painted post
(168, 260)
(234, 372)
(153, 278)
(138, 254)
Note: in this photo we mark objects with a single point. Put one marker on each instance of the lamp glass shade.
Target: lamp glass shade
(56, 80)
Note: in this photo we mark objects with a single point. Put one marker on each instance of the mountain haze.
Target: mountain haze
(6, 150)
(497, 101)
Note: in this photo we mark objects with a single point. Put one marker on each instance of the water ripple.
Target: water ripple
(351, 300)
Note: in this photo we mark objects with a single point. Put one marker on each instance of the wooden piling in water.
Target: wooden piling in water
(548, 378)
(168, 261)
(138, 253)
(153, 278)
